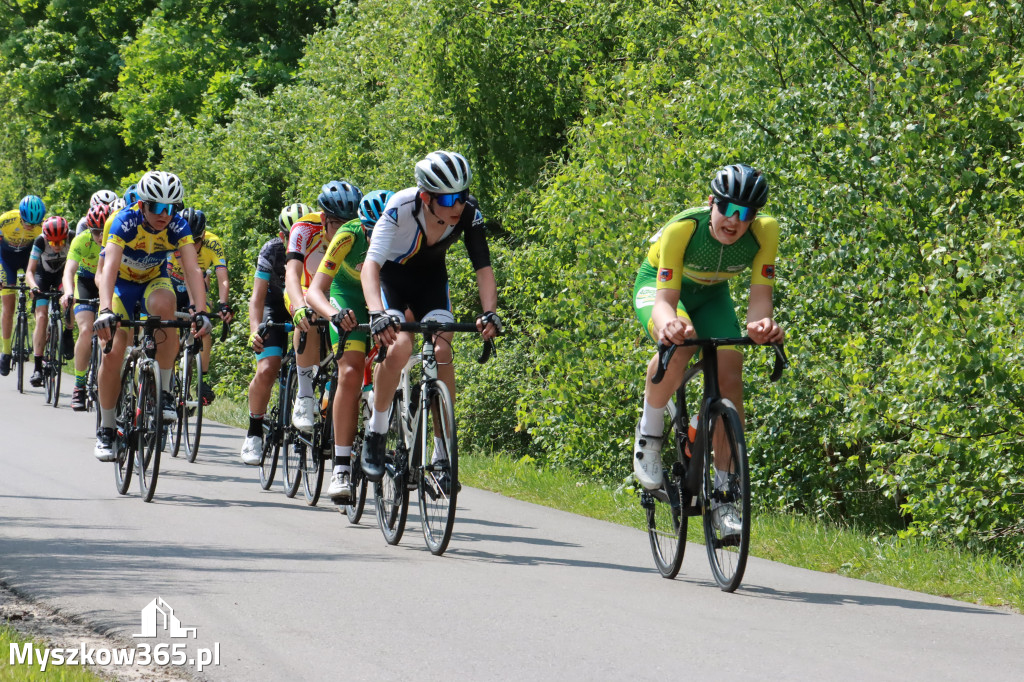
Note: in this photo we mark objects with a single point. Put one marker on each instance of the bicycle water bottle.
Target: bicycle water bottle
(691, 436)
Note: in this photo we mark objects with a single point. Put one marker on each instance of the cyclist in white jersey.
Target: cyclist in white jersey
(405, 278)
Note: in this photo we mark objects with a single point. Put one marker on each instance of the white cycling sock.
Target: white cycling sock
(306, 376)
(439, 451)
(342, 453)
(379, 421)
(652, 421)
(165, 378)
(108, 418)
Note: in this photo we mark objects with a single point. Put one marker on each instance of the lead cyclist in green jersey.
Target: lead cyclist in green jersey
(682, 291)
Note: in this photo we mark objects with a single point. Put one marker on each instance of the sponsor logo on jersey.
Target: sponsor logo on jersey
(665, 275)
(768, 272)
(393, 213)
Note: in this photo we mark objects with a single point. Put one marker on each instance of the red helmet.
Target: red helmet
(97, 216)
(55, 229)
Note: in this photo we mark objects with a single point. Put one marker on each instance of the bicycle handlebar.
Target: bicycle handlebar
(430, 327)
(150, 323)
(665, 354)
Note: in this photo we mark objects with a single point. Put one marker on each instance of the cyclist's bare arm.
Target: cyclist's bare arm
(761, 325)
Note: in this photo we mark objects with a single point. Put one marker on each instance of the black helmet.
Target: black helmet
(740, 184)
(196, 222)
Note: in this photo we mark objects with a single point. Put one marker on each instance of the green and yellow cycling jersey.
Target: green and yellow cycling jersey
(344, 258)
(685, 251)
(13, 235)
(86, 252)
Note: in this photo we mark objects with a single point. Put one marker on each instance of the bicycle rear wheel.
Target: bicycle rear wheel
(271, 440)
(439, 482)
(192, 405)
(124, 438)
(666, 517)
(294, 449)
(728, 544)
(148, 432)
(318, 456)
(391, 498)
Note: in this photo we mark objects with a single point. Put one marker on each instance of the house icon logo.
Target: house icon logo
(157, 615)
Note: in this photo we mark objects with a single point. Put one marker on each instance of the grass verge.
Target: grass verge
(31, 673)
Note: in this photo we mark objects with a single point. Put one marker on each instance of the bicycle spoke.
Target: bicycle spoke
(726, 499)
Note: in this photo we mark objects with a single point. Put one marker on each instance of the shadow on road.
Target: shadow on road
(761, 592)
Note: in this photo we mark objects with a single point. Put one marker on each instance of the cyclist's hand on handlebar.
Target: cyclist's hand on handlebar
(201, 324)
(104, 324)
(301, 318)
(676, 331)
(225, 313)
(765, 330)
(256, 341)
(344, 319)
(384, 327)
(489, 325)
(66, 299)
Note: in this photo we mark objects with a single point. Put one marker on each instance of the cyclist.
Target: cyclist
(80, 282)
(307, 244)
(211, 257)
(45, 268)
(265, 305)
(682, 291)
(405, 278)
(18, 230)
(339, 273)
(134, 271)
(103, 196)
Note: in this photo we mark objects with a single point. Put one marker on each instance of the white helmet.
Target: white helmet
(161, 187)
(104, 196)
(443, 173)
(116, 205)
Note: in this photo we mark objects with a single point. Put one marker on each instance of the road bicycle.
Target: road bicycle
(289, 441)
(354, 509)
(421, 411)
(20, 350)
(53, 350)
(139, 412)
(279, 410)
(316, 449)
(699, 478)
(187, 391)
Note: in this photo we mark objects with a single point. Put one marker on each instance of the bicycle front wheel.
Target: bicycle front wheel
(21, 351)
(124, 439)
(271, 440)
(149, 431)
(354, 509)
(439, 482)
(90, 378)
(50, 351)
(178, 380)
(192, 407)
(58, 363)
(294, 449)
(666, 516)
(725, 494)
(391, 497)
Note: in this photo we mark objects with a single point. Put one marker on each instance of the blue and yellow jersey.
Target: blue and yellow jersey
(145, 251)
(13, 235)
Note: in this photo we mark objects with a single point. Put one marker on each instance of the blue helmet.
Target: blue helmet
(33, 210)
(131, 196)
(340, 199)
(372, 207)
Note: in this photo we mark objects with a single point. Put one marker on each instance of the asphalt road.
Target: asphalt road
(524, 592)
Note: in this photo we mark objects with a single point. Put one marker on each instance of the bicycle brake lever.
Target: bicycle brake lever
(664, 356)
(781, 362)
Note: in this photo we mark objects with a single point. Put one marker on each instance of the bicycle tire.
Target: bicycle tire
(178, 380)
(391, 497)
(293, 448)
(49, 353)
(123, 439)
(438, 498)
(727, 554)
(20, 350)
(323, 444)
(666, 516)
(271, 439)
(192, 406)
(148, 431)
(91, 391)
(354, 509)
(58, 365)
